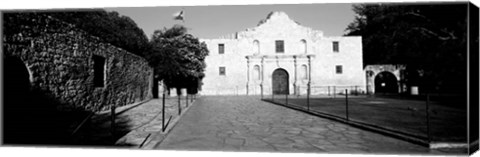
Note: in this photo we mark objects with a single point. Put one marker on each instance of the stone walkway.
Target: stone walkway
(146, 120)
(244, 123)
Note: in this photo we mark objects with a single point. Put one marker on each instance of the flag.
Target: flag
(178, 16)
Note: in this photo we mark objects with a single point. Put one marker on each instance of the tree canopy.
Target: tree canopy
(430, 39)
(178, 58)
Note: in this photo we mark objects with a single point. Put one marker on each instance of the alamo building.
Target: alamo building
(281, 56)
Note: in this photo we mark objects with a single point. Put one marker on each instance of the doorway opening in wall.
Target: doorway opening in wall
(17, 100)
(386, 82)
(280, 81)
(99, 71)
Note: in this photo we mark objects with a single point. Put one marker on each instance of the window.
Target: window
(256, 72)
(303, 46)
(222, 71)
(335, 46)
(98, 71)
(338, 69)
(256, 47)
(221, 48)
(279, 46)
(304, 71)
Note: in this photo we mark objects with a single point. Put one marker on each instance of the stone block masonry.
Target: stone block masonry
(244, 63)
(75, 68)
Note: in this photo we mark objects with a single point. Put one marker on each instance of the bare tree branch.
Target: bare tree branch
(450, 36)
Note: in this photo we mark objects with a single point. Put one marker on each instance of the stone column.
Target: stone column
(248, 72)
(309, 73)
(295, 76)
(261, 77)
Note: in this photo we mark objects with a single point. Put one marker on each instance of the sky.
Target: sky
(217, 20)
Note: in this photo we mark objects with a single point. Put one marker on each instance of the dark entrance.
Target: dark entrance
(280, 82)
(30, 115)
(16, 99)
(386, 82)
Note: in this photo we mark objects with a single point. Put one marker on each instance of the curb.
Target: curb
(377, 129)
(122, 109)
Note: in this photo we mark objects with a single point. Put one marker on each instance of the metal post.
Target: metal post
(179, 107)
(112, 121)
(346, 102)
(334, 91)
(428, 117)
(186, 99)
(163, 111)
(261, 91)
(328, 90)
(272, 96)
(356, 91)
(286, 99)
(308, 98)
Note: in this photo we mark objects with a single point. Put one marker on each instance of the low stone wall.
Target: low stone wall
(60, 60)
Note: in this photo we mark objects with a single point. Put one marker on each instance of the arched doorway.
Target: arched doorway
(386, 82)
(17, 100)
(16, 77)
(280, 82)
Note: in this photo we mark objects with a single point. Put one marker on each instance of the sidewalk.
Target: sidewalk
(135, 125)
(146, 121)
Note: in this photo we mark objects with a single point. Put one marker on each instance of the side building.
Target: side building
(283, 57)
(57, 76)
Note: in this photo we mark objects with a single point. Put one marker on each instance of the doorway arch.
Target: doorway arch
(16, 78)
(17, 101)
(280, 84)
(386, 82)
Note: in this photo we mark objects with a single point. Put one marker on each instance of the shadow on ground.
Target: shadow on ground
(406, 114)
(32, 118)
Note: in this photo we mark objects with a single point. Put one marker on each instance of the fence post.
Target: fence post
(329, 91)
(286, 99)
(272, 97)
(428, 117)
(179, 106)
(346, 103)
(356, 91)
(261, 91)
(334, 91)
(186, 99)
(163, 111)
(308, 98)
(112, 122)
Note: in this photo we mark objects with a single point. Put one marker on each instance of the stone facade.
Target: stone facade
(250, 57)
(60, 60)
(372, 72)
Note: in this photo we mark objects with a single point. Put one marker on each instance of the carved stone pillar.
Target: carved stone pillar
(309, 73)
(248, 72)
(295, 76)
(262, 75)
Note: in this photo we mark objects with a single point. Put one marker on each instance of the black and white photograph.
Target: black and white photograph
(319, 78)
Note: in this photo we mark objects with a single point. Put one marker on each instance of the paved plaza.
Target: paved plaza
(242, 123)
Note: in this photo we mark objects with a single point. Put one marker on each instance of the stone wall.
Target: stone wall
(59, 59)
(373, 70)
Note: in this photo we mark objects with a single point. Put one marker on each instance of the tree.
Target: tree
(178, 58)
(429, 39)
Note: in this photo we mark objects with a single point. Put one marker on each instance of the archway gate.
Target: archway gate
(372, 71)
(280, 81)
